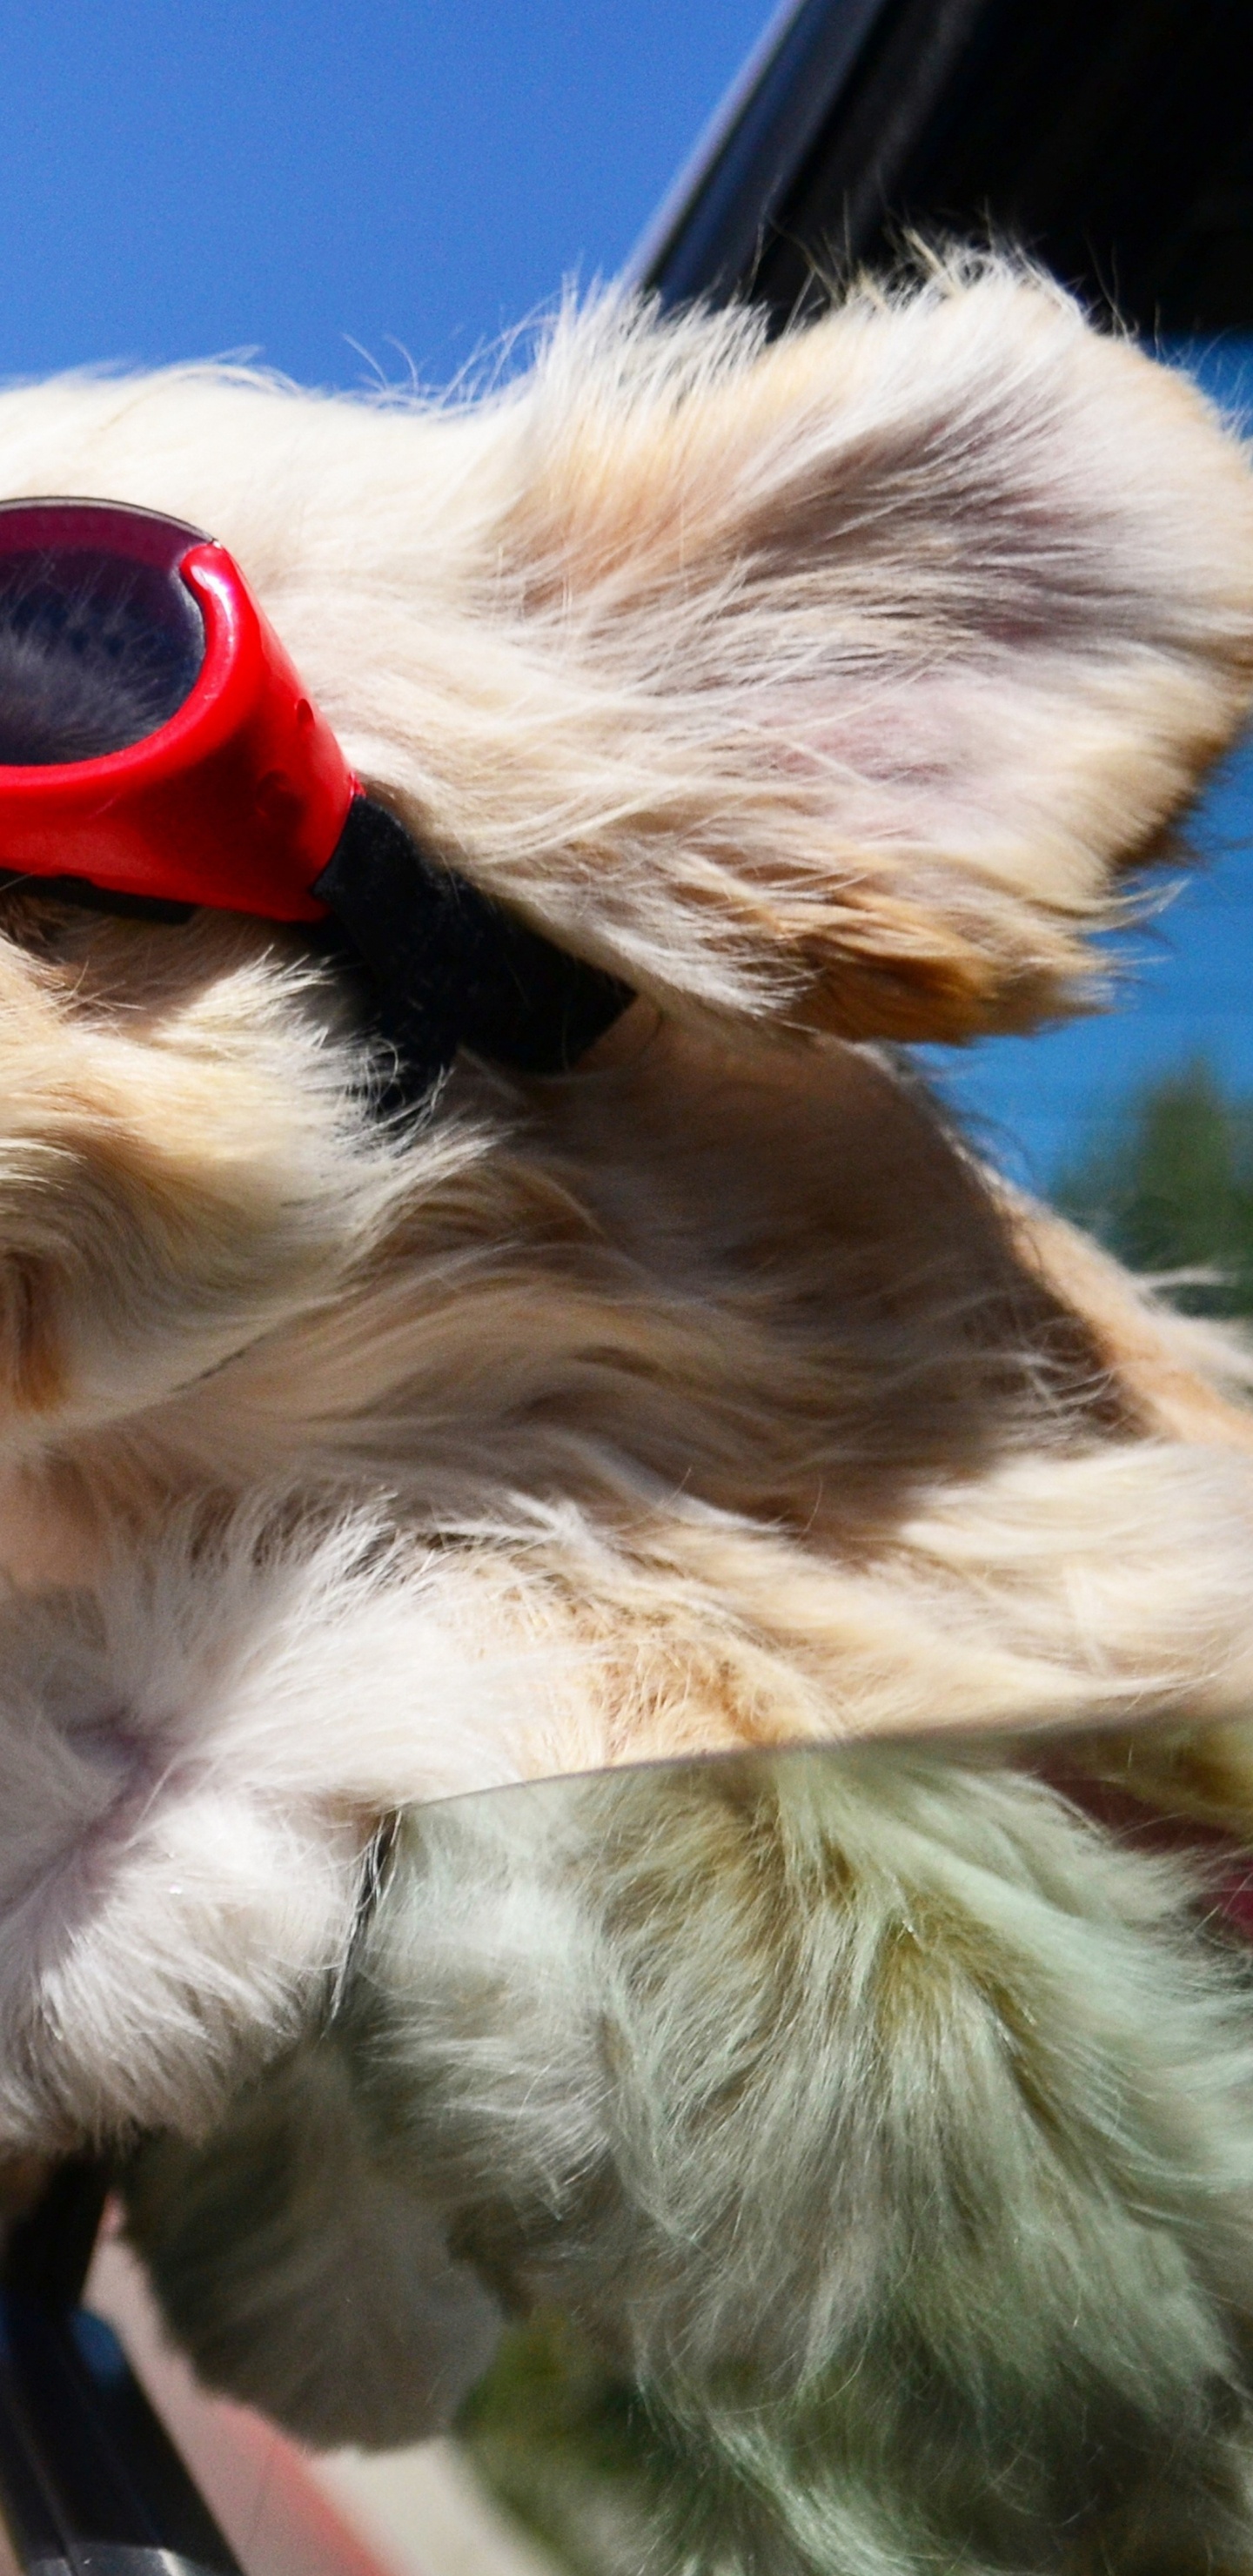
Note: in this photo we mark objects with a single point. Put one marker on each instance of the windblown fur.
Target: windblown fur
(880, 2126)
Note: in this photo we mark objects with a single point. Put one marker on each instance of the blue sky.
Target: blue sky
(186, 177)
(348, 191)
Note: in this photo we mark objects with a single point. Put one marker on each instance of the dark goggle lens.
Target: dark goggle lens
(98, 647)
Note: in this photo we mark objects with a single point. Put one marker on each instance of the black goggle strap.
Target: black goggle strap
(451, 968)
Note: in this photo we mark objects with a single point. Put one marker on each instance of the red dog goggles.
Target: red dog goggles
(158, 752)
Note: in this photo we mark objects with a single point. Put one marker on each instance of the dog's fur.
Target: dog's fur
(884, 2121)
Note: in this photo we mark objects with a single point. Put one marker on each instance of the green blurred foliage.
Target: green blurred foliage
(1168, 1185)
(571, 2453)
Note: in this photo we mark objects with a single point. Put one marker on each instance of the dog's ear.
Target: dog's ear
(863, 660)
(836, 677)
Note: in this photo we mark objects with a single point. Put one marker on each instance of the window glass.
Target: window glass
(653, 2124)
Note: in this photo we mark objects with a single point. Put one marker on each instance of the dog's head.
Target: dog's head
(828, 683)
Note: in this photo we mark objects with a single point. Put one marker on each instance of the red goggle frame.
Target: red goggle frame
(239, 797)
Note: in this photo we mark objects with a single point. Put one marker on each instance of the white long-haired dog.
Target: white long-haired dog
(878, 2125)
